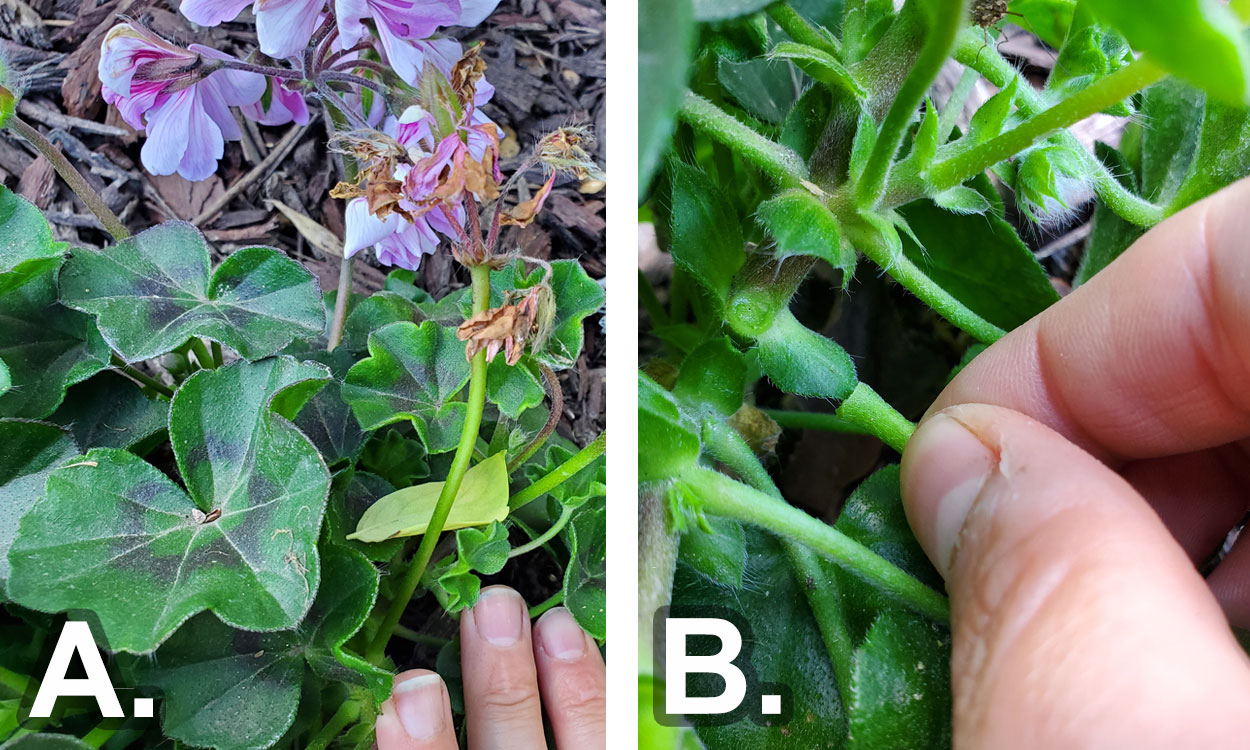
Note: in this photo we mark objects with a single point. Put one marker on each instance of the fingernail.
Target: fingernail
(946, 466)
(560, 635)
(420, 704)
(498, 615)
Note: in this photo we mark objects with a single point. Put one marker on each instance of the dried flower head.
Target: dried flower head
(564, 150)
(527, 317)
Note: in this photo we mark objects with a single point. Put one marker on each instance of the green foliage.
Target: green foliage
(144, 552)
(153, 291)
(199, 510)
(454, 579)
(807, 142)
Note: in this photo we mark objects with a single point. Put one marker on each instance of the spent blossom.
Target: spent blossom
(178, 96)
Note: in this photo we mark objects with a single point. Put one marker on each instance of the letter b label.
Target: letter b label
(678, 664)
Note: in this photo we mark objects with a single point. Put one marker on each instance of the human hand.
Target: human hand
(1068, 479)
(505, 671)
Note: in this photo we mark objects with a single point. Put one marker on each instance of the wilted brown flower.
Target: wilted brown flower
(564, 149)
(511, 326)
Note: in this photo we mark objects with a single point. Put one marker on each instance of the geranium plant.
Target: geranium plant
(793, 152)
(242, 482)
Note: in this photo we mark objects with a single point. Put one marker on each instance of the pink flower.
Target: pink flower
(404, 25)
(283, 106)
(283, 27)
(162, 89)
(395, 240)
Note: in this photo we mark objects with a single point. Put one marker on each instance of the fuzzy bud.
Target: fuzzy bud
(1051, 183)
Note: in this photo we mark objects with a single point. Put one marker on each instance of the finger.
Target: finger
(418, 714)
(500, 682)
(1200, 496)
(1078, 621)
(573, 681)
(1151, 356)
(1230, 582)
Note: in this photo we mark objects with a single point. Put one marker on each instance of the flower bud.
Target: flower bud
(1051, 183)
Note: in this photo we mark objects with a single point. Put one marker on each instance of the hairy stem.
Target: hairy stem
(556, 393)
(565, 514)
(72, 177)
(265, 70)
(798, 29)
(722, 496)
(202, 354)
(954, 105)
(348, 712)
(459, 465)
(141, 377)
(947, 17)
(901, 269)
(341, 300)
(1096, 97)
(561, 473)
(218, 358)
(408, 634)
(875, 417)
(336, 75)
(778, 162)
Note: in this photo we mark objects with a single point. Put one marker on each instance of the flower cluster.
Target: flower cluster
(182, 96)
(416, 174)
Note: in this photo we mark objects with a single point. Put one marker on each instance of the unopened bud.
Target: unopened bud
(1051, 183)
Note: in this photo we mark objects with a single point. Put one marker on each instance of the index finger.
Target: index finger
(1151, 357)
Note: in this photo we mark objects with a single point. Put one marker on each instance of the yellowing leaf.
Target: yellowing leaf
(483, 498)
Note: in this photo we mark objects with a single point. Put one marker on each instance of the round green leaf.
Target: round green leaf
(153, 291)
(46, 347)
(31, 451)
(413, 372)
(114, 535)
(585, 578)
(26, 243)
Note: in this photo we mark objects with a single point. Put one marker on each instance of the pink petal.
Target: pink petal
(284, 27)
(212, 12)
(473, 12)
(364, 229)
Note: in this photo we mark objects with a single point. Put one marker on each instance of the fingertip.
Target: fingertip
(944, 468)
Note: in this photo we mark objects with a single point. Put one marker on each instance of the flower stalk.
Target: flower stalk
(93, 201)
(459, 465)
(561, 473)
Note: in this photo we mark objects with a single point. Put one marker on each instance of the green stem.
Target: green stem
(875, 417)
(722, 496)
(202, 355)
(556, 394)
(408, 634)
(459, 465)
(728, 447)
(907, 273)
(554, 600)
(341, 300)
(798, 29)
(823, 597)
(143, 378)
(1096, 97)
(347, 713)
(16, 683)
(547, 535)
(778, 162)
(955, 104)
(219, 359)
(811, 420)
(946, 18)
(101, 733)
(72, 177)
(561, 473)
(1130, 207)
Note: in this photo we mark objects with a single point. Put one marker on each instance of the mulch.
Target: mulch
(546, 59)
